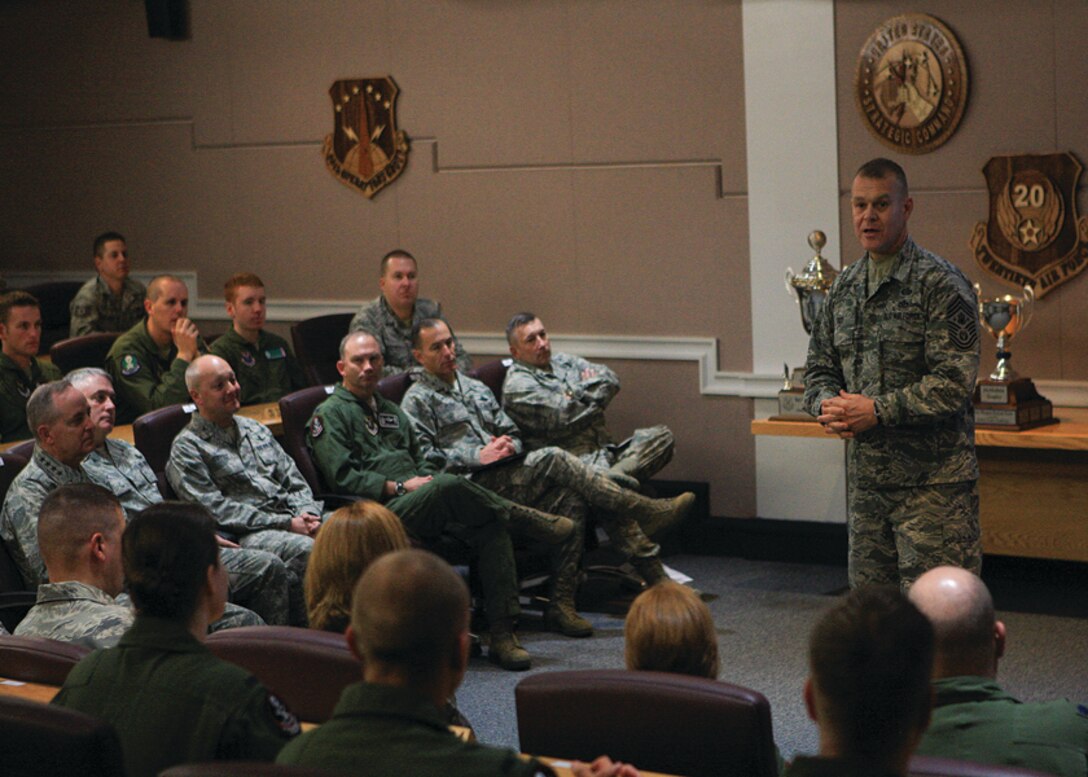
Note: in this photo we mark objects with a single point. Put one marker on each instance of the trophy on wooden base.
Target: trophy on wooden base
(810, 287)
(1005, 400)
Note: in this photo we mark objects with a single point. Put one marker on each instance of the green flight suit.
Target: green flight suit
(16, 386)
(384, 731)
(172, 701)
(357, 448)
(974, 719)
(265, 371)
(145, 376)
(808, 766)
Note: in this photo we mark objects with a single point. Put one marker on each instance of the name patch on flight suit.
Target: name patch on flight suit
(275, 353)
(388, 421)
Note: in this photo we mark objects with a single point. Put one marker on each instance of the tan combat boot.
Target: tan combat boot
(660, 515)
(560, 614)
(505, 650)
(539, 526)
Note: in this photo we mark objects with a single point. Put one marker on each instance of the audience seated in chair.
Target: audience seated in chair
(20, 371)
(870, 658)
(670, 629)
(974, 718)
(350, 539)
(148, 361)
(263, 362)
(258, 579)
(392, 315)
(409, 628)
(110, 301)
(170, 700)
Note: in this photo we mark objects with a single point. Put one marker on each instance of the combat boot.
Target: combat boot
(650, 569)
(539, 526)
(505, 650)
(560, 614)
(664, 514)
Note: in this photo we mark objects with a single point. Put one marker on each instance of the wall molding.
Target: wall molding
(701, 350)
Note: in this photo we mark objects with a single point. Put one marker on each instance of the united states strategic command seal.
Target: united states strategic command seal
(366, 150)
(911, 83)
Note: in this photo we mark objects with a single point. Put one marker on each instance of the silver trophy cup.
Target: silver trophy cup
(1003, 317)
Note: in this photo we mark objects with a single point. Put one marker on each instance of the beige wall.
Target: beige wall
(584, 158)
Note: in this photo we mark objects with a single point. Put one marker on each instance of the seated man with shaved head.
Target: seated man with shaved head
(147, 363)
(974, 718)
(409, 629)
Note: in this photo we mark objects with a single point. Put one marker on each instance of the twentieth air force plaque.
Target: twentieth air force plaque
(810, 286)
(1005, 400)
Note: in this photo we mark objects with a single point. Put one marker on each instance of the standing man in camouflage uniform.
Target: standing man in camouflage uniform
(20, 372)
(233, 466)
(891, 369)
(391, 316)
(110, 301)
(64, 436)
(974, 718)
(364, 446)
(560, 400)
(263, 363)
(258, 579)
(148, 361)
(463, 431)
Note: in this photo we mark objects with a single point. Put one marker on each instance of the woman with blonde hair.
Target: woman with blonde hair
(670, 629)
(349, 540)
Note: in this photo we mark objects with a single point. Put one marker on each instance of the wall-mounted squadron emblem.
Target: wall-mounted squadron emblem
(366, 150)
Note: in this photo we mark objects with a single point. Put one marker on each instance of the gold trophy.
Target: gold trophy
(1005, 400)
(810, 287)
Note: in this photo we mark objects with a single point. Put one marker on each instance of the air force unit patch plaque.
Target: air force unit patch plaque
(366, 150)
(1033, 236)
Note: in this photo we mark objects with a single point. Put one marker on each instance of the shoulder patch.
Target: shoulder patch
(82, 311)
(962, 324)
(285, 719)
(248, 359)
(317, 427)
(130, 365)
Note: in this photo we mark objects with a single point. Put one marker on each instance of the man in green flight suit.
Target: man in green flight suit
(891, 368)
(263, 363)
(20, 371)
(364, 446)
(147, 363)
(974, 718)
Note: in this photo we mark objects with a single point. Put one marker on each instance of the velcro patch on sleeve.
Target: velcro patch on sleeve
(317, 427)
(962, 324)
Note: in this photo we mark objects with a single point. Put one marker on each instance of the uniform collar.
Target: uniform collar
(70, 591)
(206, 430)
(968, 688)
(389, 701)
(420, 375)
(60, 473)
(161, 634)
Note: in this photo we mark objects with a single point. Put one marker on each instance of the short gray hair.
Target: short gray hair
(41, 408)
(86, 374)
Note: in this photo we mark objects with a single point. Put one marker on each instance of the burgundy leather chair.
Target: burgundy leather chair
(83, 351)
(394, 387)
(38, 660)
(154, 433)
(24, 450)
(243, 769)
(317, 345)
(929, 766)
(492, 374)
(306, 668)
(295, 411)
(42, 739)
(658, 721)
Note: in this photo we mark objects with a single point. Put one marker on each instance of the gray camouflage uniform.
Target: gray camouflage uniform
(251, 486)
(19, 517)
(912, 346)
(76, 612)
(258, 579)
(395, 336)
(454, 423)
(559, 407)
(96, 309)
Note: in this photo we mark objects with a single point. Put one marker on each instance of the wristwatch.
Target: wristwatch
(400, 490)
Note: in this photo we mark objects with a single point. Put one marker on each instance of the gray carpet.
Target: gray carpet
(764, 611)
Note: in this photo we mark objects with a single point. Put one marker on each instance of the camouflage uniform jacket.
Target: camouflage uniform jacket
(358, 448)
(453, 423)
(559, 407)
(248, 481)
(913, 348)
(395, 336)
(16, 386)
(78, 613)
(96, 309)
(145, 376)
(120, 467)
(265, 371)
(19, 517)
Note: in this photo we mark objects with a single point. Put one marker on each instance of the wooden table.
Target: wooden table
(1033, 485)
(30, 691)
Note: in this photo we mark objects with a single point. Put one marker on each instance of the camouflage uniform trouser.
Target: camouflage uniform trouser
(642, 455)
(294, 551)
(449, 504)
(258, 581)
(558, 482)
(235, 616)
(896, 534)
